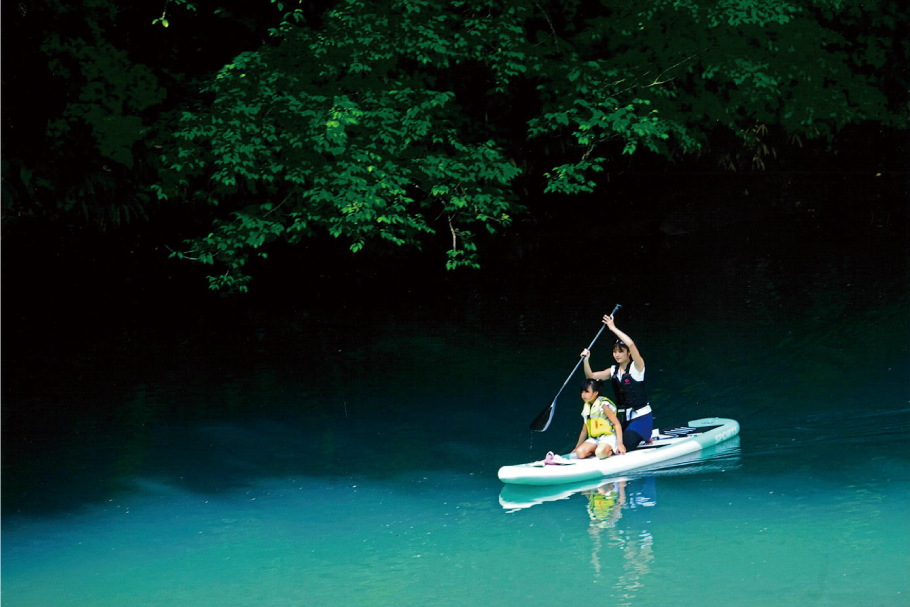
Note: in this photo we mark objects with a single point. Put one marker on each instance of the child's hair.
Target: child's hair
(595, 385)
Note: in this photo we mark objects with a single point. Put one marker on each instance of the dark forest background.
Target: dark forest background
(103, 99)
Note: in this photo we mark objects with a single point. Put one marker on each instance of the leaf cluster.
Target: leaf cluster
(399, 123)
(367, 127)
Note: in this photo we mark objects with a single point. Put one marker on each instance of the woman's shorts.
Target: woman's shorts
(609, 439)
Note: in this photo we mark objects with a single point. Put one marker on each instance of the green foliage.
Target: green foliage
(342, 130)
(163, 20)
(111, 94)
(402, 123)
(662, 78)
(396, 121)
(84, 159)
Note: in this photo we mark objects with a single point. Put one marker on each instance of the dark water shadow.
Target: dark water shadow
(738, 322)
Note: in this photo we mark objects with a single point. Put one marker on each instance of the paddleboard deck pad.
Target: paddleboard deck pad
(665, 445)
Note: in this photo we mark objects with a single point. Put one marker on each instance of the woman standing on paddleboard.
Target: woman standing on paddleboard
(628, 377)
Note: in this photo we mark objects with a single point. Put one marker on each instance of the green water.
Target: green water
(353, 458)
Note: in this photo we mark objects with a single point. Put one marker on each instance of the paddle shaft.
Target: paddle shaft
(542, 421)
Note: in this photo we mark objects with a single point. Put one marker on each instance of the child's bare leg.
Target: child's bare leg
(585, 450)
(604, 451)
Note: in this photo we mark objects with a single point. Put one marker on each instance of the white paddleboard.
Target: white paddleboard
(665, 445)
(719, 458)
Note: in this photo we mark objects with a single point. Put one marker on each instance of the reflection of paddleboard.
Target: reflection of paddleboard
(518, 497)
(664, 446)
(724, 456)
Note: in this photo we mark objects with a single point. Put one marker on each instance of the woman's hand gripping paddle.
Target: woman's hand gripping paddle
(542, 421)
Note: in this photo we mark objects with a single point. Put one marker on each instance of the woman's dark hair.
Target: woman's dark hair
(620, 345)
(595, 385)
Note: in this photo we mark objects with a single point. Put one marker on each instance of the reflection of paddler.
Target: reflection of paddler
(637, 544)
(599, 503)
(638, 552)
(645, 496)
(604, 508)
(605, 504)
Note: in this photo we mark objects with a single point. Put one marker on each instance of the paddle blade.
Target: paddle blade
(542, 421)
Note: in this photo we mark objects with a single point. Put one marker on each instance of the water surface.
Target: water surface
(349, 459)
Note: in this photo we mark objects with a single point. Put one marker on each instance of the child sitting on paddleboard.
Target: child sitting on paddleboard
(628, 377)
(601, 433)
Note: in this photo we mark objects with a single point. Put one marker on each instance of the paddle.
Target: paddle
(542, 421)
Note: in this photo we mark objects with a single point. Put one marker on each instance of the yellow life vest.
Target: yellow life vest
(595, 419)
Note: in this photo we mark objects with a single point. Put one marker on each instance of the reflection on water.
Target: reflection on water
(717, 458)
(633, 540)
(236, 477)
(620, 513)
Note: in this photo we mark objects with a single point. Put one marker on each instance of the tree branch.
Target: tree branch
(550, 23)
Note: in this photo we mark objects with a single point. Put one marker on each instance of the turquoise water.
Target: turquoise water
(750, 530)
(352, 459)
